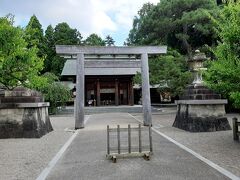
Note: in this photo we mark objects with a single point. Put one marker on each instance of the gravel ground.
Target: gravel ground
(218, 147)
(24, 159)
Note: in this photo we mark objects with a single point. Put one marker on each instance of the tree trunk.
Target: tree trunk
(186, 45)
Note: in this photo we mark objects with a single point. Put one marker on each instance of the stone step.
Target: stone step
(106, 109)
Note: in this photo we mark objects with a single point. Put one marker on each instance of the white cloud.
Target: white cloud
(88, 16)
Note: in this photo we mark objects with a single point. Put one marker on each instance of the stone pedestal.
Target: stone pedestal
(201, 115)
(23, 114)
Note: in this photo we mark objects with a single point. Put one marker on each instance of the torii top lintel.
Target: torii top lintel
(77, 49)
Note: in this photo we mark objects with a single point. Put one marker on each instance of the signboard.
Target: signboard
(107, 90)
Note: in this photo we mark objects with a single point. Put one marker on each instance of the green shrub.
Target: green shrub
(54, 92)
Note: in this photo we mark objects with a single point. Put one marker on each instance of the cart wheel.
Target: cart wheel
(114, 159)
(146, 157)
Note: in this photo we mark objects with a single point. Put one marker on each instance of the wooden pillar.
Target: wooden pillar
(131, 93)
(116, 93)
(98, 93)
(147, 113)
(235, 129)
(128, 93)
(79, 103)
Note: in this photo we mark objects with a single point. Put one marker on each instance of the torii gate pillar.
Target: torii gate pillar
(79, 103)
(146, 101)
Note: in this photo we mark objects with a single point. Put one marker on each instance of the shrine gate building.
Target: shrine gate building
(108, 79)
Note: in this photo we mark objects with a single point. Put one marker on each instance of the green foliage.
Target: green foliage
(136, 34)
(169, 71)
(62, 34)
(54, 92)
(181, 24)
(34, 36)
(50, 49)
(223, 75)
(235, 97)
(94, 40)
(109, 41)
(137, 78)
(19, 64)
(184, 25)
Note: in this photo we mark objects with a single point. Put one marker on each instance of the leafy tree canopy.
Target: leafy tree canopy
(19, 64)
(169, 72)
(63, 34)
(181, 24)
(223, 74)
(34, 35)
(49, 36)
(94, 40)
(50, 50)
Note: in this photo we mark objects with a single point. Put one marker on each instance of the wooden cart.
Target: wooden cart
(129, 142)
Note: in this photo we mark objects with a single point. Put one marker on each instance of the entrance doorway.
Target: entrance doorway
(105, 91)
(123, 94)
(107, 97)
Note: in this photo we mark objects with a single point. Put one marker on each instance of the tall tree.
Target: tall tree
(50, 49)
(135, 36)
(94, 40)
(63, 34)
(109, 41)
(49, 36)
(181, 24)
(223, 74)
(34, 35)
(19, 64)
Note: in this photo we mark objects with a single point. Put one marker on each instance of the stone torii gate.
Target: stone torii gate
(81, 51)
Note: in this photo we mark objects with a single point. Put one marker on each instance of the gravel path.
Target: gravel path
(24, 159)
(218, 147)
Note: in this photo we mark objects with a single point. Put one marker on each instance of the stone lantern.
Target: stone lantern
(200, 109)
(196, 67)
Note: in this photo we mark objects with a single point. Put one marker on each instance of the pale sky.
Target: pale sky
(102, 17)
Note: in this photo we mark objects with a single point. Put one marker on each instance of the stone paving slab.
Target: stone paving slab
(85, 158)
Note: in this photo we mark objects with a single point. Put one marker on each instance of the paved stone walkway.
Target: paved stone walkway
(85, 157)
